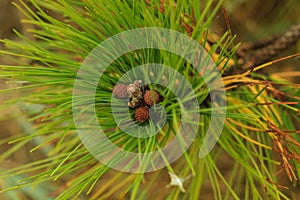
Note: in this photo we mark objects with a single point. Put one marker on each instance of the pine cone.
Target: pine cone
(120, 91)
(151, 97)
(141, 114)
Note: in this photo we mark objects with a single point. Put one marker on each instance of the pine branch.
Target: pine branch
(254, 54)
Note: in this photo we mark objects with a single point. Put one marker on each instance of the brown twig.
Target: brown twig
(281, 139)
(251, 55)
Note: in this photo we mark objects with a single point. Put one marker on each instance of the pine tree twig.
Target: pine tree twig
(254, 54)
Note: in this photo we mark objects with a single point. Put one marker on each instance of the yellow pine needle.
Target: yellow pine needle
(269, 110)
(247, 138)
(272, 62)
(245, 126)
(286, 74)
(237, 76)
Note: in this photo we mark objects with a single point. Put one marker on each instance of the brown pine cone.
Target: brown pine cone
(141, 114)
(120, 91)
(151, 97)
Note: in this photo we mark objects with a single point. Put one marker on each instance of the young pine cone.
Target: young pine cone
(141, 114)
(151, 97)
(120, 91)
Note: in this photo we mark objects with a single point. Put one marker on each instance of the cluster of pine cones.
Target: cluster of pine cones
(141, 98)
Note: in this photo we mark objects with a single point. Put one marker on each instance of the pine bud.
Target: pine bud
(141, 114)
(151, 97)
(120, 91)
